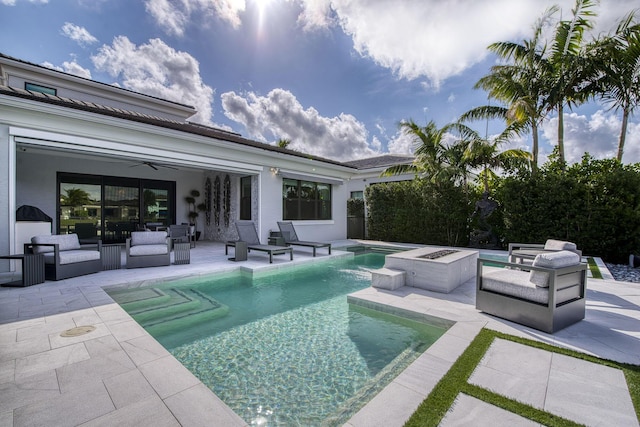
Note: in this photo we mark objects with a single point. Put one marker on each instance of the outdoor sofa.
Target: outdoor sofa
(64, 257)
(148, 249)
(291, 238)
(547, 295)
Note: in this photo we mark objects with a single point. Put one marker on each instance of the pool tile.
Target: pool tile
(68, 409)
(186, 406)
(167, 376)
(128, 388)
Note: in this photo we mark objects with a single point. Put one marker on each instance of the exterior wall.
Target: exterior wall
(37, 175)
(73, 87)
(5, 207)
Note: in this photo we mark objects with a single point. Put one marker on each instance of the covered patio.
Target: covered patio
(123, 376)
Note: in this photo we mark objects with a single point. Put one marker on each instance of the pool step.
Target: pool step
(164, 310)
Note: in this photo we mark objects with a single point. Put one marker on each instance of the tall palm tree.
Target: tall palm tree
(519, 83)
(617, 82)
(568, 66)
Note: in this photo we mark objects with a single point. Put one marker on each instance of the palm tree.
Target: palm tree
(519, 84)
(485, 154)
(434, 159)
(568, 66)
(283, 143)
(617, 82)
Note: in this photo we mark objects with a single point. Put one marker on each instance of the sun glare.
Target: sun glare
(262, 7)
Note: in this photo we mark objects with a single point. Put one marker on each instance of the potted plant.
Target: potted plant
(194, 211)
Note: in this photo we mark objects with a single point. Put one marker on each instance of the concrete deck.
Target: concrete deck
(119, 375)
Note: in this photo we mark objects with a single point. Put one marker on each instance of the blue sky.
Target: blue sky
(333, 76)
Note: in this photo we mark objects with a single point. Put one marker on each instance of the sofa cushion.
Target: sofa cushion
(516, 283)
(557, 259)
(72, 256)
(66, 242)
(148, 238)
(140, 250)
(559, 245)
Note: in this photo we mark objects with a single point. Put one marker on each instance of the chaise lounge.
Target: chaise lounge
(547, 295)
(291, 238)
(64, 257)
(247, 233)
(148, 249)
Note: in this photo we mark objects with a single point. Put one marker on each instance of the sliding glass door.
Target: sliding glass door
(110, 208)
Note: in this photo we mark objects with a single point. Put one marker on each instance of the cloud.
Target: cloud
(280, 115)
(174, 16)
(401, 143)
(158, 70)
(168, 15)
(596, 134)
(78, 34)
(13, 2)
(70, 68)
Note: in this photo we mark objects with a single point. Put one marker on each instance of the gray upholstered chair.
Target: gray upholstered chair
(64, 257)
(526, 252)
(547, 295)
(291, 238)
(148, 249)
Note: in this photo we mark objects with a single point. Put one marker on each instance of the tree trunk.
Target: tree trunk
(561, 135)
(623, 133)
(535, 148)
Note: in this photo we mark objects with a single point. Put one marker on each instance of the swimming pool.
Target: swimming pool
(283, 347)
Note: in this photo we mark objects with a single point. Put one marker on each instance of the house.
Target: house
(103, 161)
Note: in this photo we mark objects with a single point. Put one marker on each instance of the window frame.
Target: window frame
(308, 200)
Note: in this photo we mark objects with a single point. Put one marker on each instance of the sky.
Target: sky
(335, 77)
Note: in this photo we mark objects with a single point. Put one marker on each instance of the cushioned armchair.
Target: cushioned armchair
(526, 252)
(547, 295)
(148, 249)
(64, 257)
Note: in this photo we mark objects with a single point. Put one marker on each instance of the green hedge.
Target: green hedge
(418, 211)
(594, 203)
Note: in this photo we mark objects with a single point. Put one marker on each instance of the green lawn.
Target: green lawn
(436, 405)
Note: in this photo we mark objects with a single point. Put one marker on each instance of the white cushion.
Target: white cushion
(73, 256)
(65, 242)
(516, 283)
(557, 259)
(141, 250)
(559, 245)
(148, 238)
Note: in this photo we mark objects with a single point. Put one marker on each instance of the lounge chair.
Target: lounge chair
(526, 252)
(64, 257)
(291, 238)
(547, 295)
(247, 233)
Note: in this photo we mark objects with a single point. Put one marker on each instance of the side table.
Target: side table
(240, 251)
(111, 256)
(181, 253)
(32, 269)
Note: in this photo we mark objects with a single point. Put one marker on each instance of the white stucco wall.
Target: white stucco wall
(5, 209)
(37, 174)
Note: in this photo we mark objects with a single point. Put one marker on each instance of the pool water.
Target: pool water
(284, 347)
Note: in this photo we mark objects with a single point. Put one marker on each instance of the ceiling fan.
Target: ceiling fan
(154, 166)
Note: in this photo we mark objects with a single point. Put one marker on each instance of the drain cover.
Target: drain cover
(76, 332)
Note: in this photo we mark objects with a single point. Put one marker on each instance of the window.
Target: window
(305, 200)
(110, 208)
(357, 195)
(245, 197)
(39, 88)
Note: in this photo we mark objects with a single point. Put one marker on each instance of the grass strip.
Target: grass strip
(433, 409)
(595, 270)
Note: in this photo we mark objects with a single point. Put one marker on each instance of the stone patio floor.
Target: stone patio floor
(119, 375)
